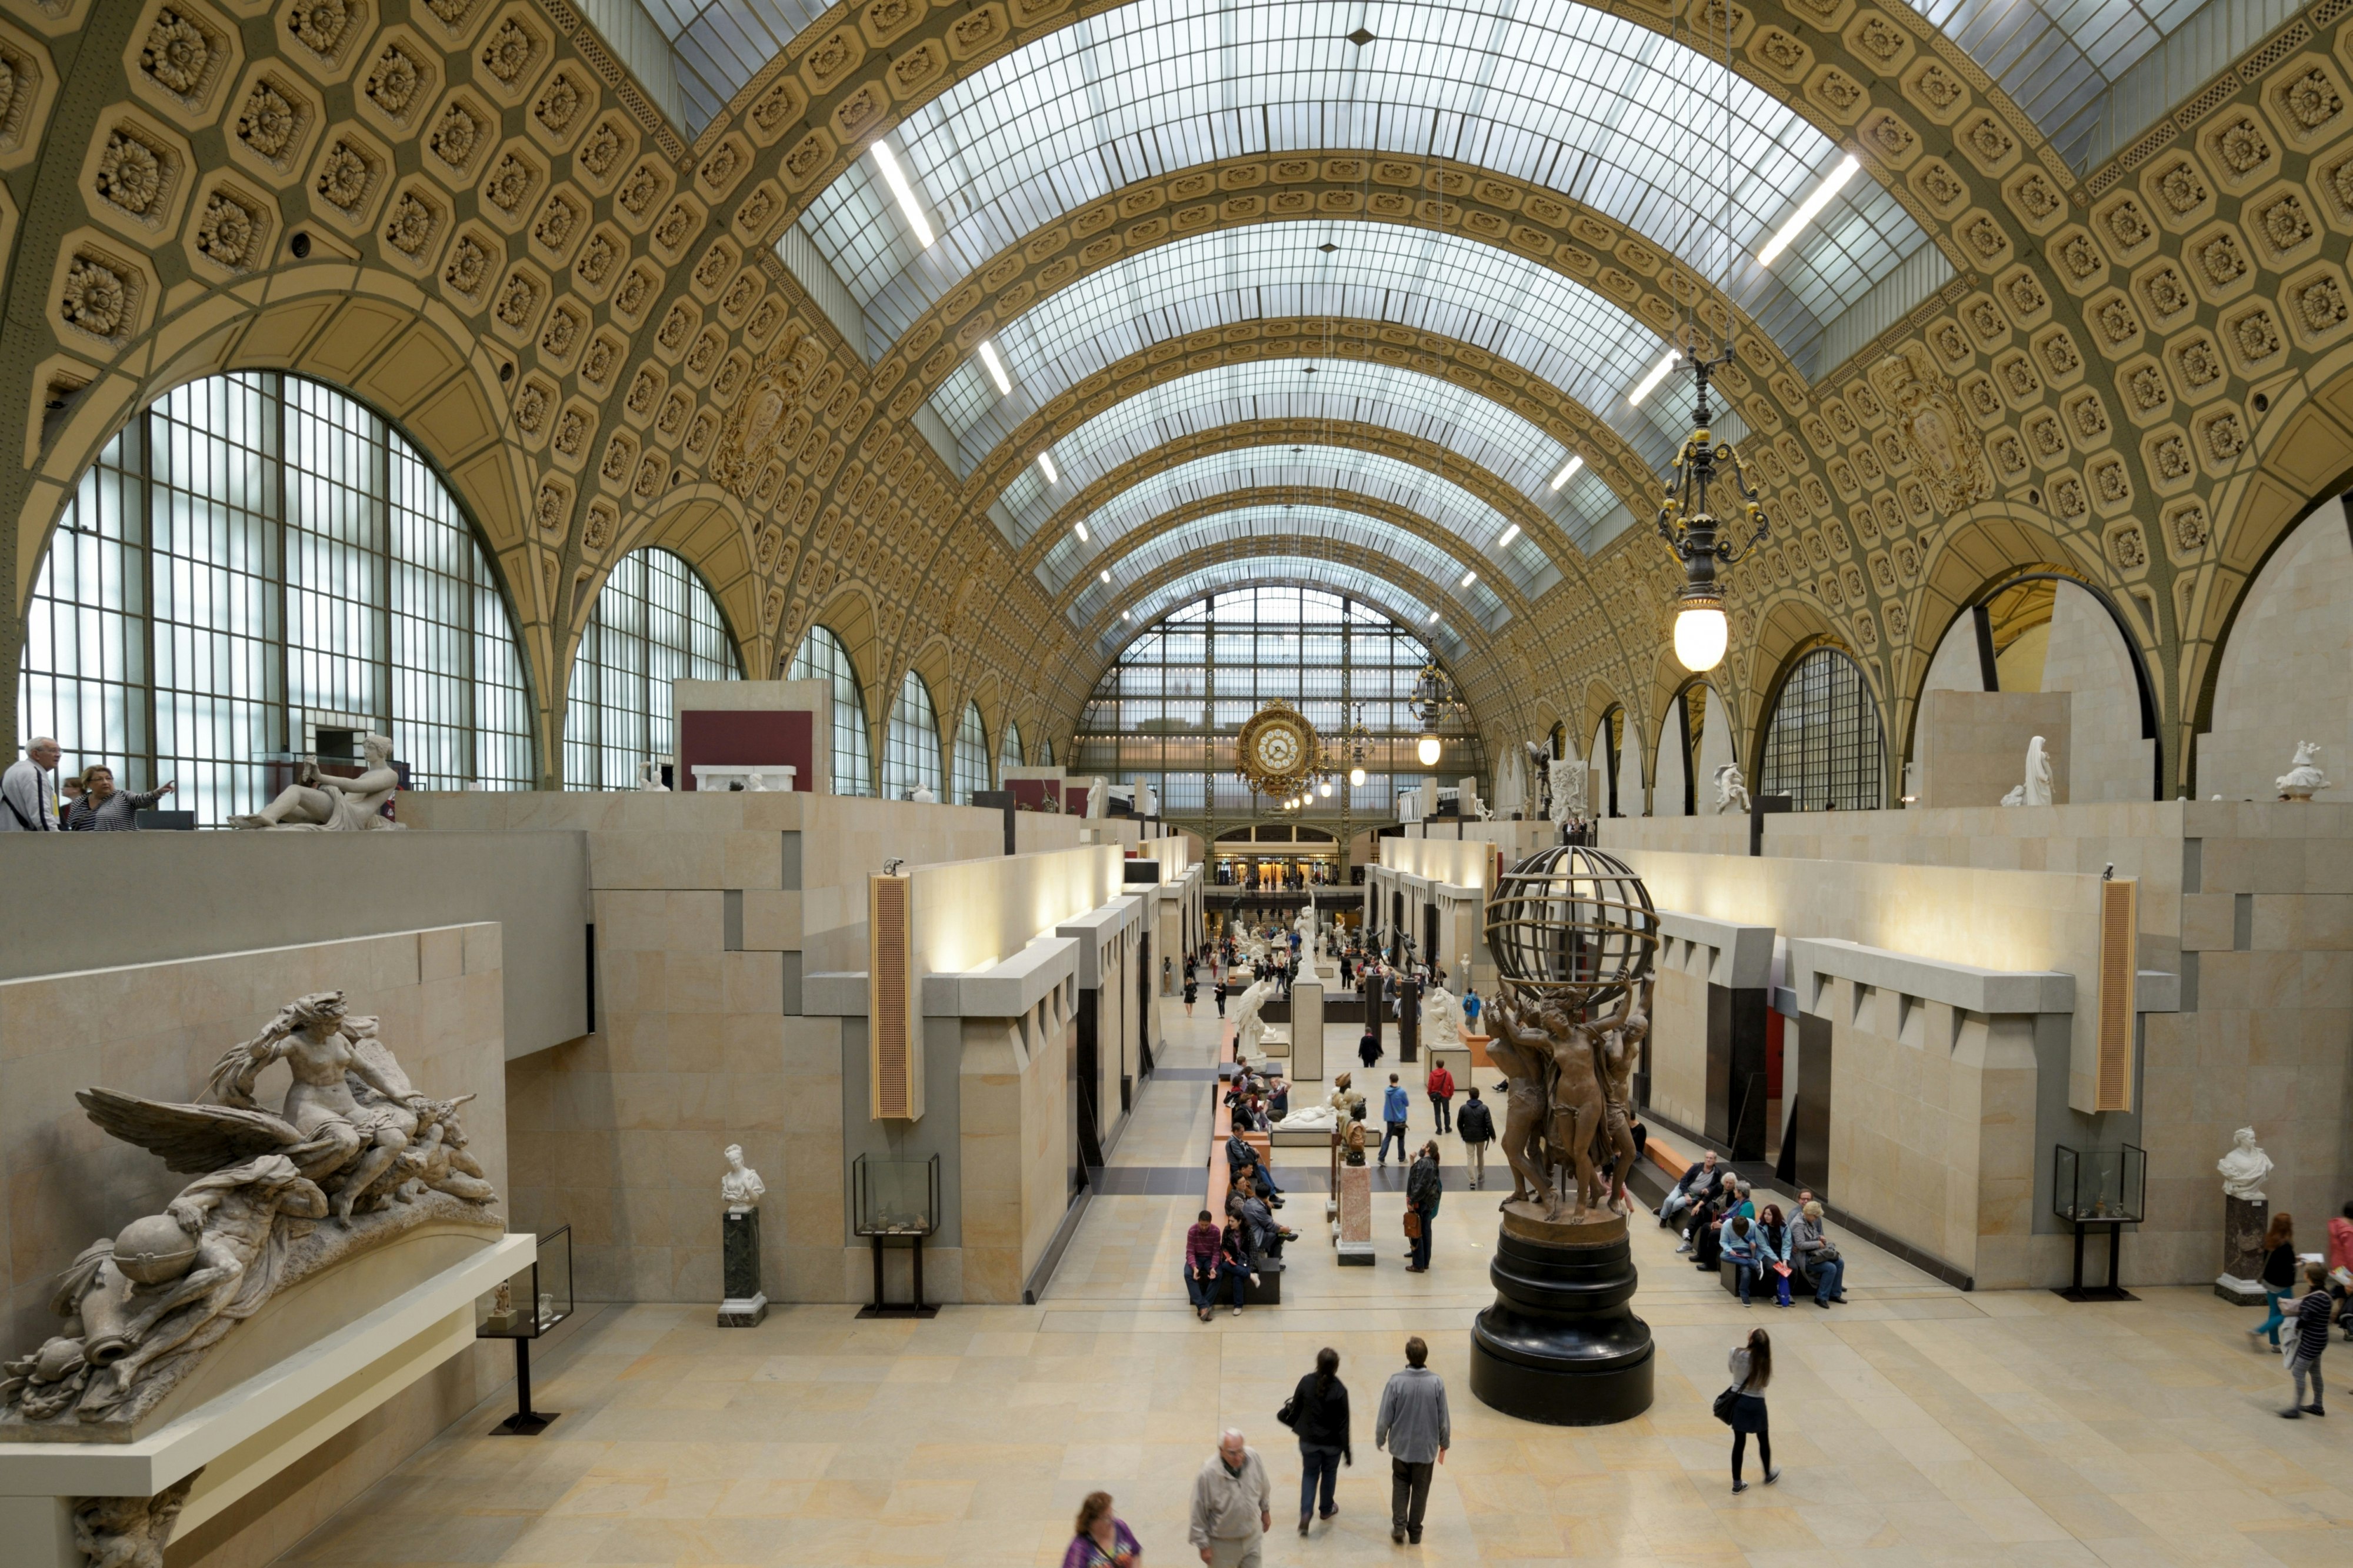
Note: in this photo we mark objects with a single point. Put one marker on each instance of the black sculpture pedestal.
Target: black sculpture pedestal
(1561, 1345)
(739, 1269)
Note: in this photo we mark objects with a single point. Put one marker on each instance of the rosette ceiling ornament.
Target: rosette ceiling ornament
(1278, 751)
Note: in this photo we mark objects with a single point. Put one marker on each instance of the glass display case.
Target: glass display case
(895, 1198)
(522, 1308)
(2092, 1189)
(2102, 1185)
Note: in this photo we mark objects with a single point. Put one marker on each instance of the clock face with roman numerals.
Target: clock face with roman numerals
(1277, 750)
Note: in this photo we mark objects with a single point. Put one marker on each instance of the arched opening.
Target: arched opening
(1824, 746)
(259, 568)
(1604, 756)
(1008, 752)
(2282, 677)
(653, 621)
(970, 767)
(823, 656)
(911, 749)
(1693, 742)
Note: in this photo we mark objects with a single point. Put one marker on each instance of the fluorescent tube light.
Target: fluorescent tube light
(1046, 467)
(1569, 469)
(1468, 578)
(1509, 534)
(995, 369)
(1080, 530)
(1808, 210)
(894, 178)
(1642, 389)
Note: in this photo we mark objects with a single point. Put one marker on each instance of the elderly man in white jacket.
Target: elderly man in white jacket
(1233, 1506)
(27, 800)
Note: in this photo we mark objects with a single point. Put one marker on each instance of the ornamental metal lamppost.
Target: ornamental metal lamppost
(1689, 526)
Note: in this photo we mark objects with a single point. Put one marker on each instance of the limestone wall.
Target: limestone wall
(2287, 670)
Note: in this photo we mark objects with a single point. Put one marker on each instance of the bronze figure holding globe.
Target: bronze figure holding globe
(1573, 933)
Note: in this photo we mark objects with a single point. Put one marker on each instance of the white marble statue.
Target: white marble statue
(1567, 789)
(649, 778)
(2036, 790)
(353, 1140)
(1731, 790)
(2244, 1168)
(2303, 775)
(321, 803)
(921, 794)
(1306, 926)
(1442, 1017)
(741, 1188)
(1248, 1027)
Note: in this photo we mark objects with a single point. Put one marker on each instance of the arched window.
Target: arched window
(1008, 752)
(1823, 749)
(1049, 749)
(911, 751)
(822, 657)
(971, 755)
(258, 566)
(653, 623)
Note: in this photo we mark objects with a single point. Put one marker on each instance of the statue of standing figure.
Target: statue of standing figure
(2036, 790)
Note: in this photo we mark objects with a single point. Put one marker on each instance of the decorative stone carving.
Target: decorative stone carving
(130, 1531)
(354, 1138)
(1731, 790)
(1567, 789)
(1946, 451)
(2035, 789)
(175, 53)
(2246, 1214)
(321, 803)
(2303, 775)
(1442, 1017)
(2243, 1168)
(741, 1188)
(1250, 1030)
(744, 1305)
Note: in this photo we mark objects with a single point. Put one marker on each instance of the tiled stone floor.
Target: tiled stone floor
(1919, 1425)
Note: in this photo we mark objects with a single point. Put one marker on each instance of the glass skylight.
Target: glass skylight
(1479, 526)
(1534, 317)
(1405, 608)
(1569, 97)
(1483, 432)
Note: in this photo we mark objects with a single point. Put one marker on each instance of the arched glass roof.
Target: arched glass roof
(1407, 609)
(1279, 528)
(1548, 325)
(1565, 96)
(1480, 527)
(1485, 433)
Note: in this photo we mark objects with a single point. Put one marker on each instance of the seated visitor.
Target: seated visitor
(1696, 1186)
(1816, 1257)
(1740, 1241)
(1773, 1251)
(1202, 1274)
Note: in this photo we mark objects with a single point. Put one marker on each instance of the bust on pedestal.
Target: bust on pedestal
(743, 1305)
(2246, 1212)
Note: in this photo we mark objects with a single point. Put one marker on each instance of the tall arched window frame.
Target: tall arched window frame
(1823, 748)
(653, 623)
(824, 656)
(1008, 751)
(971, 755)
(256, 567)
(911, 751)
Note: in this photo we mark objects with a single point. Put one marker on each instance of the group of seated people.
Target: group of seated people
(1257, 1100)
(1251, 1198)
(1722, 1223)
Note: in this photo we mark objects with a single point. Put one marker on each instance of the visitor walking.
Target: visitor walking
(1232, 1506)
(1413, 1425)
(1368, 1045)
(1752, 1368)
(2313, 1315)
(1101, 1539)
(1476, 1126)
(2278, 1277)
(1218, 989)
(1395, 1105)
(1192, 990)
(1423, 1189)
(1318, 1413)
(1470, 1008)
(1438, 1084)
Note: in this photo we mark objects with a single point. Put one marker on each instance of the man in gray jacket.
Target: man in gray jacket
(1232, 1506)
(1414, 1427)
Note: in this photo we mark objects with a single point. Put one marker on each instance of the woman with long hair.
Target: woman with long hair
(1101, 1539)
(1752, 1369)
(1773, 1251)
(2278, 1276)
(1318, 1413)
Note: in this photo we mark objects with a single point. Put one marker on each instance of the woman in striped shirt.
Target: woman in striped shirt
(2313, 1315)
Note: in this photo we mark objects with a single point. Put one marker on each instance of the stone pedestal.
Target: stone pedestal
(1356, 1222)
(1561, 1345)
(2244, 1224)
(743, 1306)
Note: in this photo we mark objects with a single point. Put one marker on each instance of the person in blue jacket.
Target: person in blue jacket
(1395, 1104)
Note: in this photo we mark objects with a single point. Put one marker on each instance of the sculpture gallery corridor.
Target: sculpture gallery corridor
(1041, 784)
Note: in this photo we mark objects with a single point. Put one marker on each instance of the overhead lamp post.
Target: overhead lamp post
(1689, 526)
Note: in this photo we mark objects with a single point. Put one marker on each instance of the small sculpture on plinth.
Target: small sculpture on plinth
(2246, 1214)
(2303, 775)
(743, 1305)
(2035, 788)
(1567, 776)
(1731, 790)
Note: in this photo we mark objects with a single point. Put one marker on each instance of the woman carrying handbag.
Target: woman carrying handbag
(1317, 1412)
(1742, 1405)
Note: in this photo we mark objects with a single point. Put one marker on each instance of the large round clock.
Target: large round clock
(1277, 750)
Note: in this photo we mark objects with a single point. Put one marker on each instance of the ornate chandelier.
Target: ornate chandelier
(1689, 524)
(1434, 696)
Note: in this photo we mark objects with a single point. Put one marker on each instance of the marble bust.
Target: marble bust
(740, 1188)
(2243, 1168)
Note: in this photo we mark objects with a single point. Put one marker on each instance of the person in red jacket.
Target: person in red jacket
(1440, 1083)
(1201, 1248)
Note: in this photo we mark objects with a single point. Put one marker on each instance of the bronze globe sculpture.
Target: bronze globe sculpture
(1573, 927)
